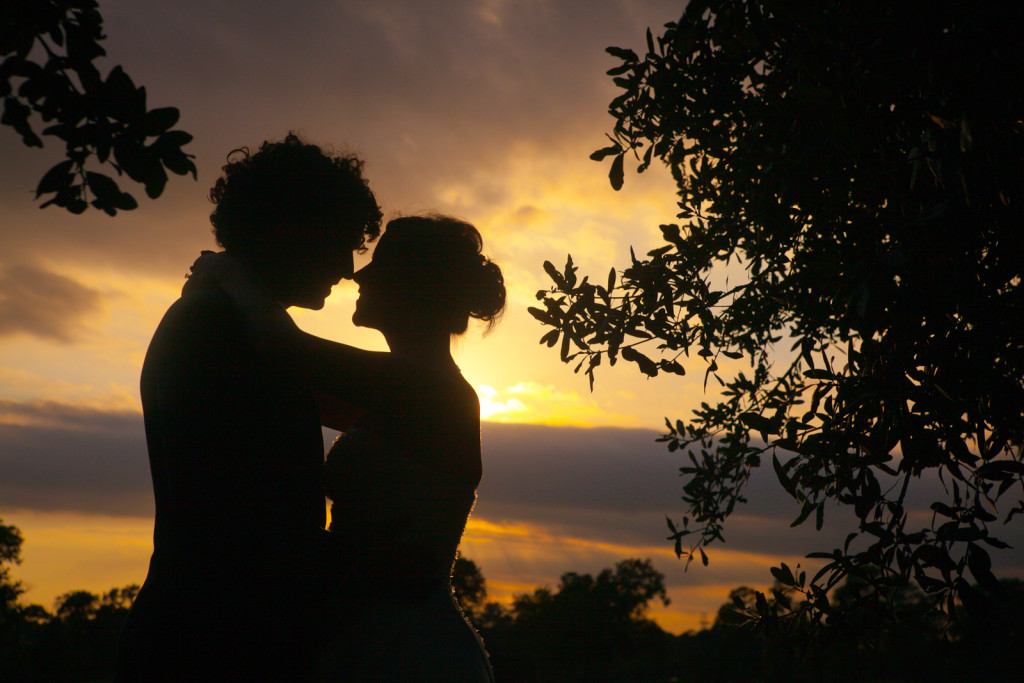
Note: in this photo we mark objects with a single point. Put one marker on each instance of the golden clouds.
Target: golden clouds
(546, 404)
(57, 414)
(99, 366)
(38, 302)
(492, 408)
(543, 202)
(30, 386)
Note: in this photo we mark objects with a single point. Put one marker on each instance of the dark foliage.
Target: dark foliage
(77, 642)
(847, 268)
(588, 629)
(892, 635)
(469, 587)
(580, 631)
(49, 48)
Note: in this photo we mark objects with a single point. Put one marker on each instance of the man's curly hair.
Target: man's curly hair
(288, 188)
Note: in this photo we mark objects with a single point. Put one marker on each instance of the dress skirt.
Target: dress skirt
(423, 638)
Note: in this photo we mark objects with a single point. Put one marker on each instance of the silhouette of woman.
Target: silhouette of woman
(403, 477)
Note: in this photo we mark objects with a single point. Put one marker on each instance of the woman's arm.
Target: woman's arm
(345, 374)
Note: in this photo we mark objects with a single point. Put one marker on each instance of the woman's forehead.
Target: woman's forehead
(408, 246)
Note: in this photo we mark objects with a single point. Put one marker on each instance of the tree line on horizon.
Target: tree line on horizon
(596, 628)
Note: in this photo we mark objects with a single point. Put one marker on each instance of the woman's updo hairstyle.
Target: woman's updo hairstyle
(441, 258)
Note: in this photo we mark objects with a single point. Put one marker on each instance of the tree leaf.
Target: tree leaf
(160, 120)
(605, 151)
(57, 178)
(623, 54)
(616, 175)
(783, 476)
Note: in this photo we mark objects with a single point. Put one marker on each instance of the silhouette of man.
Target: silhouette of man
(241, 559)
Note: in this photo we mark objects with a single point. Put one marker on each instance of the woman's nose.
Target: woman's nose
(363, 274)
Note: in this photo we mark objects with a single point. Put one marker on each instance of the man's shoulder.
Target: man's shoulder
(202, 307)
(203, 317)
(201, 336)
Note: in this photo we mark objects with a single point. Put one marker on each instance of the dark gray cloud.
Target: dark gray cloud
(60, 457)
(618, 486)
(42, 303)
(599, 484)
(624, 483)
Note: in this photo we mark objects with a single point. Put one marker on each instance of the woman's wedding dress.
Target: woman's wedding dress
(403, 481)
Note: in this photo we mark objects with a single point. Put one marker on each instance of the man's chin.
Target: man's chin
(312, 303)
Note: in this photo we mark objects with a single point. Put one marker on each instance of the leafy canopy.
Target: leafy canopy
(11, 541)
(847, 266)
(588, 628)
(48, 72)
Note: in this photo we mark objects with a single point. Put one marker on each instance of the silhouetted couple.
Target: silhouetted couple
(245, 583)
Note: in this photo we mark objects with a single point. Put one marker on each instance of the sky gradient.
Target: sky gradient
(487, 110)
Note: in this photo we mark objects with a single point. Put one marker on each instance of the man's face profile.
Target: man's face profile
(317, 261)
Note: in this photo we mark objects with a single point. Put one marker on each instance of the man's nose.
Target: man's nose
(345, 265)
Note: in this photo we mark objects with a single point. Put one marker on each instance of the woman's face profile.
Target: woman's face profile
(368, 303)
(383, 287)
(408, 285)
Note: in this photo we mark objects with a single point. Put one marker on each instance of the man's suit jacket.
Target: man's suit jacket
(240, 557)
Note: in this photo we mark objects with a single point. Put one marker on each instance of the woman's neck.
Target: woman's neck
(431, 349)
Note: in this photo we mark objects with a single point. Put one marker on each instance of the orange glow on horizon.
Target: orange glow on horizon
(66, 551)
(517, 557)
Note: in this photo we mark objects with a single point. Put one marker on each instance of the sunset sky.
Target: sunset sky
(486, 109)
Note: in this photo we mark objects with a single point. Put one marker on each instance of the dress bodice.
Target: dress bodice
(403, 480)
